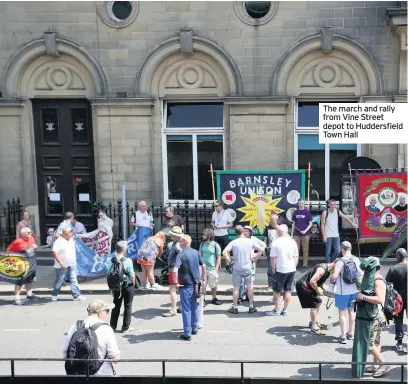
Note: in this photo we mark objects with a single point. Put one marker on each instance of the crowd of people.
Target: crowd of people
(353, 283)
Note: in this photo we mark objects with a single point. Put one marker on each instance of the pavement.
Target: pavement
(97, 285)
(37, 329)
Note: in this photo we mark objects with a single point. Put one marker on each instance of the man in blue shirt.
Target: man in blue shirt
(188, 263)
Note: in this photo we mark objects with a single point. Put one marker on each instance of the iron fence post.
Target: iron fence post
(402, 373)
(12, 369)
(242, 373)
(163, 371)
(320, 372)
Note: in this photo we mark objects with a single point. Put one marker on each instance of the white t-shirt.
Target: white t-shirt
(342, 288)
(242, 250)
(66, 250)
(285, 250)
(221, 219)
(107, 345)
(143, 219)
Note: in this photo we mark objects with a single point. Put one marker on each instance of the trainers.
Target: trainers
(32, 297)
(169, 314)
(252, 310)
(239, 301)
(315, 331)
(381, 371)
(18, 302)
(194, 332)
(200, 326)
(130, 329)
(146, 287)
(215, 301)
(80, 298)
(349, 336)
(269, 289)
(284, 313)
(156, 287)
(184, 337)
(54, 298)
(317, 323)
(400, 348)
(233, 310)
(342, 340)
(273, 313)
(178, 310)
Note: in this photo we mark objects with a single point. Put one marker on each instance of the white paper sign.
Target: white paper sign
(55, 196)
(84, 197)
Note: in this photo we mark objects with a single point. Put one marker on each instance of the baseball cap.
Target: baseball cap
(346, 245)
(98, 306)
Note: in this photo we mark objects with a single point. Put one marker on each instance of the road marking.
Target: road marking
(180, 330)
(22, 330)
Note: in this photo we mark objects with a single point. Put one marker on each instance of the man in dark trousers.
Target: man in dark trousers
(188, 262)
(397, 275)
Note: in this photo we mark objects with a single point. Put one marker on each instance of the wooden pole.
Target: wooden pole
(308, 186)
(212, 180)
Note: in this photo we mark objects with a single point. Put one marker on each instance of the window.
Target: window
(193, 140)
(257, 9)
(121, 9)
(326, 161)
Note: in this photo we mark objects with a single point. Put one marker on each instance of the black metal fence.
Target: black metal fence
(196, 216)
(10, 214)
(163, 378)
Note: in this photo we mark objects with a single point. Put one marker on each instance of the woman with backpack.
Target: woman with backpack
(151, 249)
(345, 277)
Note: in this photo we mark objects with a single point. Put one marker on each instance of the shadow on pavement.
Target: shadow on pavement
(26, 303)
(148, 313)
(153, 336)
(297, 335)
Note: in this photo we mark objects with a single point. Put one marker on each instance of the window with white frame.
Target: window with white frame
(325, 160)
(193, 138)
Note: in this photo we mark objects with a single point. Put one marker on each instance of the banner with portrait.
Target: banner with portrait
(251, 196)
(18, 268)
(382, 204)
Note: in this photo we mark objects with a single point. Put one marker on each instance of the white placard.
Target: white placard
(363, 123)
(84, 197)
(54, 196)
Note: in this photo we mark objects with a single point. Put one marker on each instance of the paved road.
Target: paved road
(37, 330)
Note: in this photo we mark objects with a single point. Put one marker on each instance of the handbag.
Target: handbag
(197, 284)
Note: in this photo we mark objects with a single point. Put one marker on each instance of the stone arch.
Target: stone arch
(348, 69)
(210, 70)
(71, 71)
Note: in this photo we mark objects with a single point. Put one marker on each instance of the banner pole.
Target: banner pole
(124, 216)
(308, 186)
(354, 206)
(212, 180)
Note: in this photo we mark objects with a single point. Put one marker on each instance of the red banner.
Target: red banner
(382, 203)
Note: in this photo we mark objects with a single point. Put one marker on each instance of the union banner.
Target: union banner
(251, 196)
(16, 267)
(382, 204)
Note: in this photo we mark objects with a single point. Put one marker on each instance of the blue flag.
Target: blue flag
(136, 239)
(90, 263)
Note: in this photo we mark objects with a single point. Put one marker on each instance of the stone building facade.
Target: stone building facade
(147, 94)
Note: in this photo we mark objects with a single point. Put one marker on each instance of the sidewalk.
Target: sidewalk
(98, 286)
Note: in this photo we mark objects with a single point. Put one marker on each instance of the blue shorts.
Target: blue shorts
(345, 301)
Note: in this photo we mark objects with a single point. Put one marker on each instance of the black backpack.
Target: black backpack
(116, 275)
(83, 345)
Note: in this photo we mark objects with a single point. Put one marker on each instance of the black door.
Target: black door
(65, 162)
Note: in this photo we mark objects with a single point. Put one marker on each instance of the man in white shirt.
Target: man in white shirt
(107, 345)
(242, 249)
(346, 294)
(284, 258)
(64, 253)
(142, 218)
(221, 221)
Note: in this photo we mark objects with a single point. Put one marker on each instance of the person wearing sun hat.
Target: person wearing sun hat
(173, 250)
(107, 345)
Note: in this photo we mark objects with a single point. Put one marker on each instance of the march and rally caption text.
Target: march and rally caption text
(358, 123)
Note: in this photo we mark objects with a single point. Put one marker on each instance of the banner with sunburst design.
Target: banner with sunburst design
(251, 196)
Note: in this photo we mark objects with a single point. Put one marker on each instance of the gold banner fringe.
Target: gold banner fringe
(374, 240)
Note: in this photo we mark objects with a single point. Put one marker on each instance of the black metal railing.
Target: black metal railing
(10, 215)
(242, 377)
